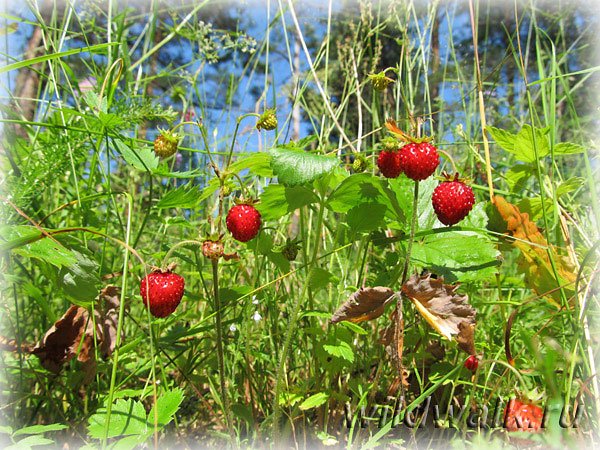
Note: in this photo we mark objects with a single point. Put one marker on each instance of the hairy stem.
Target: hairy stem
(291, 327)
(220, 358)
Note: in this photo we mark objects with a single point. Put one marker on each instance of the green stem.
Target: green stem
(176, 246)
(412, 232)
(220, 358)
(237, 126)
(292, 326)
(113, 375)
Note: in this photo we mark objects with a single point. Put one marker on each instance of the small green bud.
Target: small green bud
(268, 120)
(380, 81)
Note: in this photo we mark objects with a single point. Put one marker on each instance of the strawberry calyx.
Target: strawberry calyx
(246, 201)
(447, 177)
(169, 136)
(392, 127)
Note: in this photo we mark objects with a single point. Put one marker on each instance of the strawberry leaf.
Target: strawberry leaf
(503, 138)
(185, 196)
(141, 158)
(295, 167)
(456, 256)
(19, 240)
(278, 200)
(366, 217)
(566, 148)
(126, 417)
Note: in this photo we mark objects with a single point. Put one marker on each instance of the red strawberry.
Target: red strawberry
(471, 363)
(165, 289)
(419, 160)
(389, 164)
(523, 416)
(243, 222)
(452, 201)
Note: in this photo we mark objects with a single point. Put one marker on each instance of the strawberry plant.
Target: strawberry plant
(298, 226)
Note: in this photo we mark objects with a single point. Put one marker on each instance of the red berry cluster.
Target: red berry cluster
(452, 200)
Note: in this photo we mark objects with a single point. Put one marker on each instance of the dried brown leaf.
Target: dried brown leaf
(73, 335)
(466, 337)
(534, 261)
(364, 304)
(439, 303)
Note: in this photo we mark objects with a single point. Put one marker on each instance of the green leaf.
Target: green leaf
(306, 141)
(570, 185)
(163, 171)
(140, 158)
(403, 189)
(354, 327)
(366, 217)
(566, 148)
(126, 417)
(341, 350)
(280, 261)
(533, 207)
(524, 149)
(31, 441)
(294, 167)
(278, 200)
(5, 429)
(314, 401)
(80, 281)
(457, 256)
(109, 119)
(243, 412)
(50, 56)
(320, 278)
(503, 138)
(211, 187)
(258, 163)
(517, 176)
(45, 248)
(185, 196)
(166, 407)
(354, 190)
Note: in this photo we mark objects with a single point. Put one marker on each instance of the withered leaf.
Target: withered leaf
(534, 261)
(364, 304)
(466, 337)
(73, 335)
(439, 303)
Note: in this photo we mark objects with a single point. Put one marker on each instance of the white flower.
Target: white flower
(256, 317)
(232, 327)
(254, 300)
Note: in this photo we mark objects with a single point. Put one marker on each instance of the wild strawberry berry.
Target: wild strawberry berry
(166, 144)
(212, 249)
(360, 163)
(389, 164)
(380, 81)
(290, 251)
(243, 222)
(452, 201)
(419, 160)
(471, 363)
(162, 291)
(267, 120)
(523, 416)
(389, 144)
